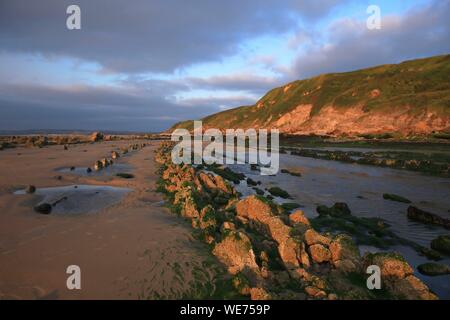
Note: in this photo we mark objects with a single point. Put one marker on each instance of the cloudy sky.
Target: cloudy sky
(143, 65)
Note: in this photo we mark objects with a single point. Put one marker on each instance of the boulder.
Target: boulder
(313, 237)
(392, 265)
(319, 253)
(441, 244)
(427, 217)
(315, 292)
(298, 217)
(96, 136)
(338, 210)
(30, 189)
(98, 165)
(394, 197)
(236, 252)
(411, 288)
(433, 269)
(43, 208)
(345, 254)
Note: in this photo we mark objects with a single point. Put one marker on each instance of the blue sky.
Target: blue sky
(145, 65)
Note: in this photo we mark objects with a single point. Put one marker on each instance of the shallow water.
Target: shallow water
(108, 171)
(79, 199)
(362, 187)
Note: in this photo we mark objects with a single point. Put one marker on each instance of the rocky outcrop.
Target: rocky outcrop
(397, 276)
(270, 253)
(236, 252)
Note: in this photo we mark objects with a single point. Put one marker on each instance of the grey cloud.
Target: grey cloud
(92, 108)
(138, 36)
(420, 33)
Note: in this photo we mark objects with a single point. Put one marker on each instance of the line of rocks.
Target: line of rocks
(273, 255)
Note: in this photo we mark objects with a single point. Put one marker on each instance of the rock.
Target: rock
(411, 288)
(228, 226)
(207, 218)
(105, 162)
(98, 165)
(115, 155)
(427, 217)
(72, 168)
(345, 254)
(430, 253)
(332, 296)
(313, 237)
(338, 210)
(319, 253)
(263, 217)
(433, 269)
(236, 252)
(251, 182)
(392, 265)
(441, 244)
(66, 147)
(298, 217)
(394, 197)
(43, 208)
(88, 170)
(278, 192)
(290, 206)
(259, 294)
(30, 189)
(315, 292)
(96, 136)
(241, 284)
(125, 175)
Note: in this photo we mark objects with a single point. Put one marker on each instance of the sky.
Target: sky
(144, 65)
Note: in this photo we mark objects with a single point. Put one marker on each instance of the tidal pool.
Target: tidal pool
(108, 171)
(79, 199)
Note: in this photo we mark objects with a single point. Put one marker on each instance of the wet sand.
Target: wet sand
(133, 249)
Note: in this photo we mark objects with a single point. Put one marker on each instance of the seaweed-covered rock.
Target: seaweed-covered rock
(236, 252)
(319, 253)
(427, 217)
(339, 209)
(43, 208)
(345, 254)
(278, 192)
(312, 237)
(264, 217)
(434, 269)
(392, 265)
(441, 244)
(298, 217)
(394, 197)
(397, 276)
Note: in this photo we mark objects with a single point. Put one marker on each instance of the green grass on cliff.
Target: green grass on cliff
(418, 84)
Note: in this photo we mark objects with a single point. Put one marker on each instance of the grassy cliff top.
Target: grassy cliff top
(416, 84)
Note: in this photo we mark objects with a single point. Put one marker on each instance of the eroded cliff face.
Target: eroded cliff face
(410, 98)
(354, 120)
